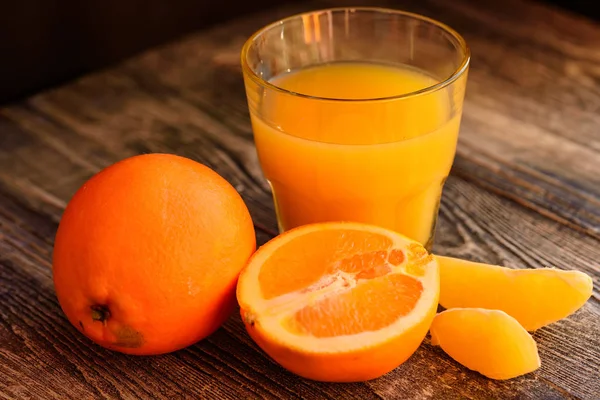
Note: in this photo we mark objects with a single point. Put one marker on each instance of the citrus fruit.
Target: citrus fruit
(535, 297)
(339, 301)
(148, 252)
(490, 342)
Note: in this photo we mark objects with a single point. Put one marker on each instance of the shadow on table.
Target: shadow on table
(45, 43)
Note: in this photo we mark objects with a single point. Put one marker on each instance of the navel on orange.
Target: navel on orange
(148, 252)
(339, 301)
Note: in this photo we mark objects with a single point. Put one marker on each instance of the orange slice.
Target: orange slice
(490, 342)
(339, 301)
(535, 297)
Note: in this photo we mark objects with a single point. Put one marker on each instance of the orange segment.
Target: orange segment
(339, 301)
(490, 342)
(535, 297)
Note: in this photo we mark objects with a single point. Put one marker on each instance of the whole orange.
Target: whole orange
(148, 252)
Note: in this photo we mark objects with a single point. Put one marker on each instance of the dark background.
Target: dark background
(47, 42)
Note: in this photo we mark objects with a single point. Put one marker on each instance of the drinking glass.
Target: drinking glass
(355, 114)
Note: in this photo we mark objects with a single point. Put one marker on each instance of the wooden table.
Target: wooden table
(524, 192)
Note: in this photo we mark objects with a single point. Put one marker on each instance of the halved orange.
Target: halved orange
(535, 297)
(339, 301)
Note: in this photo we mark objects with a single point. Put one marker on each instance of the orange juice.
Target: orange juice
(344, 150)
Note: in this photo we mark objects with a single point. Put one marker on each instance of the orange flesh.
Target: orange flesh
(280, 273)
(488, 341)
(340, 286)
(538, 297)
(349, 313)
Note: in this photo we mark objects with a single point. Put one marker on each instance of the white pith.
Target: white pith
(270, 313)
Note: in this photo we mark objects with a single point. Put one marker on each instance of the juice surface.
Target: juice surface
(376, 161)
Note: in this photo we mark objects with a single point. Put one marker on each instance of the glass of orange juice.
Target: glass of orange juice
(355, 114)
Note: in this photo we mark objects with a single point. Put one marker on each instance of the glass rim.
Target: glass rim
(455, 75)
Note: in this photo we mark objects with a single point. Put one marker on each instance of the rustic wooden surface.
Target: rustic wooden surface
(524, 192)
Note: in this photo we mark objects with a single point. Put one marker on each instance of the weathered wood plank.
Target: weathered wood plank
(467, 214)
(39, 326)
(532, 81)
(187, 98)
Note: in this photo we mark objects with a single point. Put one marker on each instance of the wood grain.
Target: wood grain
(524, 193)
